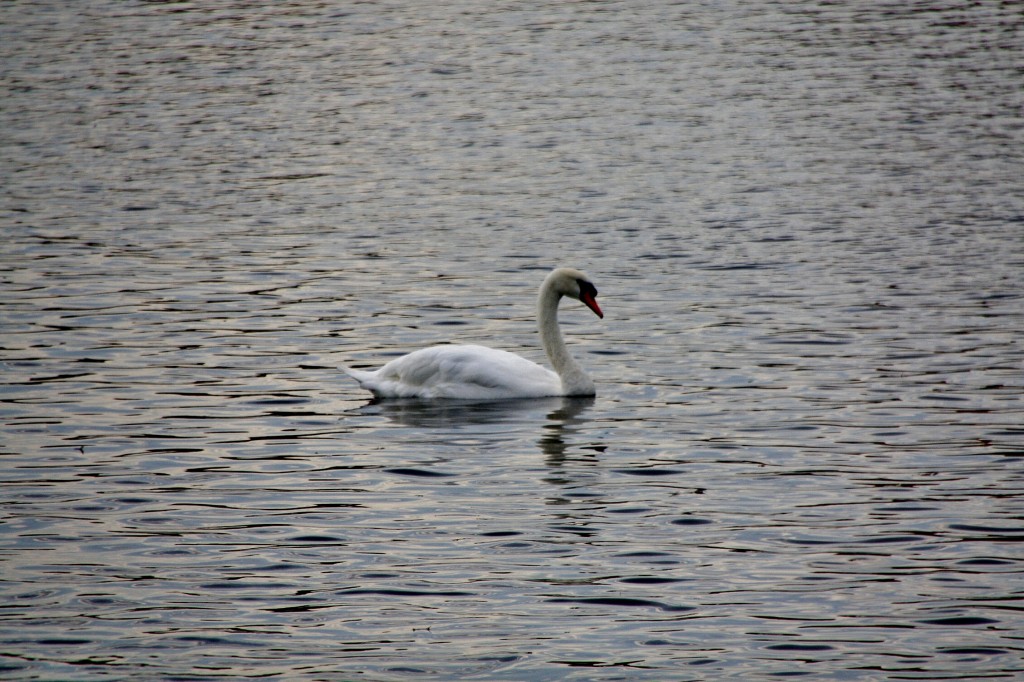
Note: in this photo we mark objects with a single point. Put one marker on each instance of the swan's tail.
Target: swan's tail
(359, 375)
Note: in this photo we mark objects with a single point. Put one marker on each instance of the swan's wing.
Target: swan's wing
(497, 372)
(464, 372)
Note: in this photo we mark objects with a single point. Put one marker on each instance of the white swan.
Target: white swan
(481, 373)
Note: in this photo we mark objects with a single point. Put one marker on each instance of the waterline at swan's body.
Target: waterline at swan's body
(470, 372)
(461, 372)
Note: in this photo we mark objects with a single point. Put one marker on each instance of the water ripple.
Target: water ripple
(805, 455)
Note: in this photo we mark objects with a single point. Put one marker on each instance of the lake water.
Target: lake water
(806, 455)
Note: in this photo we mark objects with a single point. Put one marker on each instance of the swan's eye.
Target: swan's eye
(588, 294)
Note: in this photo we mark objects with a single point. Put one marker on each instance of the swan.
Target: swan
(470, 372)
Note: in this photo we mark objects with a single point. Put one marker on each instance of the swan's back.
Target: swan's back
(463, 372)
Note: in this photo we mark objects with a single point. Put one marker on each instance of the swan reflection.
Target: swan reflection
(563, 423)
(559, 414)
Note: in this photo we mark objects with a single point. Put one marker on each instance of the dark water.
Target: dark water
(805, 459)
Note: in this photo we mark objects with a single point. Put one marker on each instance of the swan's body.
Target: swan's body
(481, 373)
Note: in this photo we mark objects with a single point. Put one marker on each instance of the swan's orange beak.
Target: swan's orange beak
(591, 302)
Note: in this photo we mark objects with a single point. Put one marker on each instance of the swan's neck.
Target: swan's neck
(574, 380)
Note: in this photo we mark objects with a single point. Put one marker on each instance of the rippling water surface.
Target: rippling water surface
(805, 458)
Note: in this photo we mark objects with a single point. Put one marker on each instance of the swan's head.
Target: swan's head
(574, 284)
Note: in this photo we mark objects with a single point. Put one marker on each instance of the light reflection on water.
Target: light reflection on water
(805, 455)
